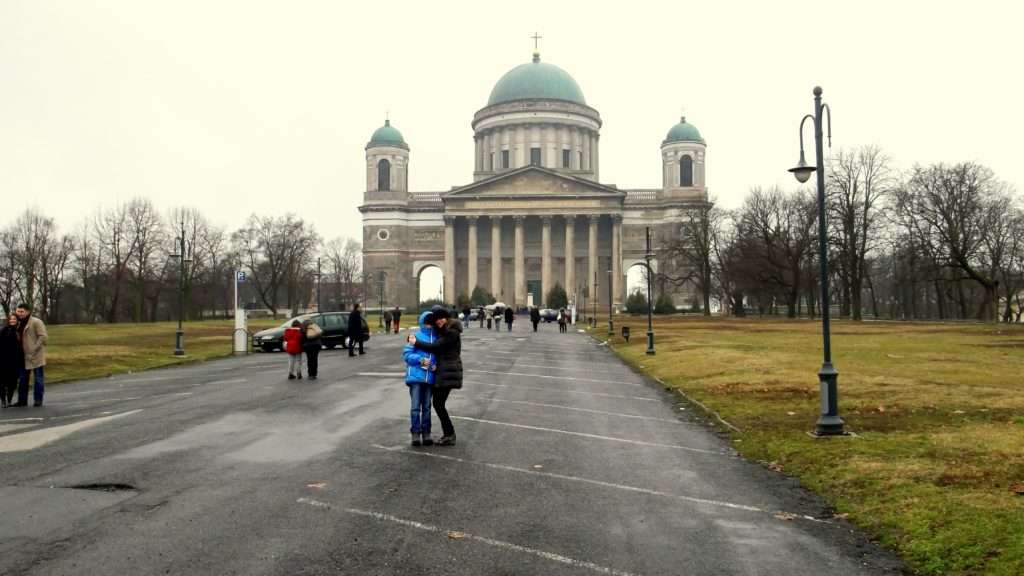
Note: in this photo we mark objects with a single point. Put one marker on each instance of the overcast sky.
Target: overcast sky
(247, 106)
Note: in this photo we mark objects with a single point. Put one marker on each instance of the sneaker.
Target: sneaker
(291, 376)
(312, 377)
(38, 404)
(427, 440)
(416, 440)
(447, 441)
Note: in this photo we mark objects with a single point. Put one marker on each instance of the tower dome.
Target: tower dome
(387, 135)
(536, 80)
(683, 132)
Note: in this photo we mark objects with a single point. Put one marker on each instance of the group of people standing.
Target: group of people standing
(433, 358)
(306, 338)
(23, 342)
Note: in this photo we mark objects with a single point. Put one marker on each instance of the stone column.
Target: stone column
(449, 259)
(617, 260)
(545, 258)
(519, 294)
(472, 263)
(592, 267)
(595, 147)
(570, 254)
(496, 257)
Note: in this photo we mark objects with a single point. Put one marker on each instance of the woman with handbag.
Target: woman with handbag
(311, 344)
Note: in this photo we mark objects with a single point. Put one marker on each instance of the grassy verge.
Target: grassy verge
(937, 468)
(89, 351)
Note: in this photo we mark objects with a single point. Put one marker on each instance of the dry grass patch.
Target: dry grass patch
(938, 409)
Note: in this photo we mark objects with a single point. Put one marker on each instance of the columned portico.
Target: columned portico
(449, 258)
(592, 256)
(496, 256)
(472, 256)
(570, 254)
(616, 287)
(545, 265)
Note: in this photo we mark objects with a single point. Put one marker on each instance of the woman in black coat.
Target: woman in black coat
(355, 330)
(448, 349)
(12, 360)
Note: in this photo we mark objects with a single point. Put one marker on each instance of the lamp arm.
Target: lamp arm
(826, 108)
(811, 116)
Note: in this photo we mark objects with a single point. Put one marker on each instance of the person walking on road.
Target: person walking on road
(534, 317)
(293, 347)
(387, 321)
(12, 360)
(562, 319)
(33, 344)
(355, 330)
(448, 351)
(480, 316)
(509, 317)
(311, 344)
(395, 317)
(490, 317)
(420, 373)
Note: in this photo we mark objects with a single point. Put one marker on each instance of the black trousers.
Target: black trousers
(352, 346)
(312, 360)
(440, 397)
(535, 326)
(8, 385)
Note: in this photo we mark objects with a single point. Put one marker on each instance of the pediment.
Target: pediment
(534, 182)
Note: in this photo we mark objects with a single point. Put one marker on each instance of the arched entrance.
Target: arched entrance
(636, 277)
(429, 282)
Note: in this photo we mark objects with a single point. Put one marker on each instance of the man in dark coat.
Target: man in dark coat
(311, 344)
(355, 330)
(509, 317)
(12, 360)
(448, 350)
(395, 317)
(534, 317)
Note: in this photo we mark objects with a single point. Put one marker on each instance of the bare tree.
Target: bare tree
(345, 258)
(10, 270)
(860, 181)
(277, 253)
(694, 247)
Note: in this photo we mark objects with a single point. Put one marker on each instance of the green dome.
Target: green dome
(536, 80)
(386, 135)
(683, 132)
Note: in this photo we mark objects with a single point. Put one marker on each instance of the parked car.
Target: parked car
(334, 325)
(549, 315)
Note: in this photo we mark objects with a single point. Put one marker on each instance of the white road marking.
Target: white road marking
(589, 411)
(465, 535)
(549, 377)
(585, 392)
(598, 371)
(625, 487)
(593, 436)
(382, 374)
(22, 420)
(150, 379)
(4, 428)
(36, 438)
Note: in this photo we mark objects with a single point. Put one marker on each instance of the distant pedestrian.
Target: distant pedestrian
(534, 317)
(311, 344)
(33, 344)
(448, 351)
(466, 313)
(562, 320)
(480, 316)
(490, 317)
(293, 347)
(509, 317)
(387, 321)
(12, 360)
(355, 330)
(420, 373)
(395, 317)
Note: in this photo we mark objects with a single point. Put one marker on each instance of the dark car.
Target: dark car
(334, 325)
(548, 315)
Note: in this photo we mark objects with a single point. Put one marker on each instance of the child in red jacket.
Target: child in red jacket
(293, 346)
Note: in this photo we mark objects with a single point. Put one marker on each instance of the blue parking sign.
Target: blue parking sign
(240, 276)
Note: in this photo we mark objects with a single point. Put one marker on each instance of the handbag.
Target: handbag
(313, 331)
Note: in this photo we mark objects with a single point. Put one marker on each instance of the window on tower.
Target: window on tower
(566, 155)
(383, 175)
(535, 156)
(504, 159)
(686, 171)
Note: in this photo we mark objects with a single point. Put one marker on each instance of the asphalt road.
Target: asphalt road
(567, 463)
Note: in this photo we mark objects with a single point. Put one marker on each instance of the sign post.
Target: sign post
(240, 340)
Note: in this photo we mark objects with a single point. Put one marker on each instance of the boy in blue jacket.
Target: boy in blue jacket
(419, 377)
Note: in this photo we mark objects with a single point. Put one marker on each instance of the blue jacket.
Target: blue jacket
(414, 372)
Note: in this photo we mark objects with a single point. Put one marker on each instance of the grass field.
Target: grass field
(936, 469)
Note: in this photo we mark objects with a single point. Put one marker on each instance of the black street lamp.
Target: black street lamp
(179, 335)
(318, 274)
(650, 321)
(829, 423)
(380, 304)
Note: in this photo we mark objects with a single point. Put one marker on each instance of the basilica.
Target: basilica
(536, 213)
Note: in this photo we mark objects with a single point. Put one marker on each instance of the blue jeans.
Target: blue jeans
(419, 393)
(37, 391)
